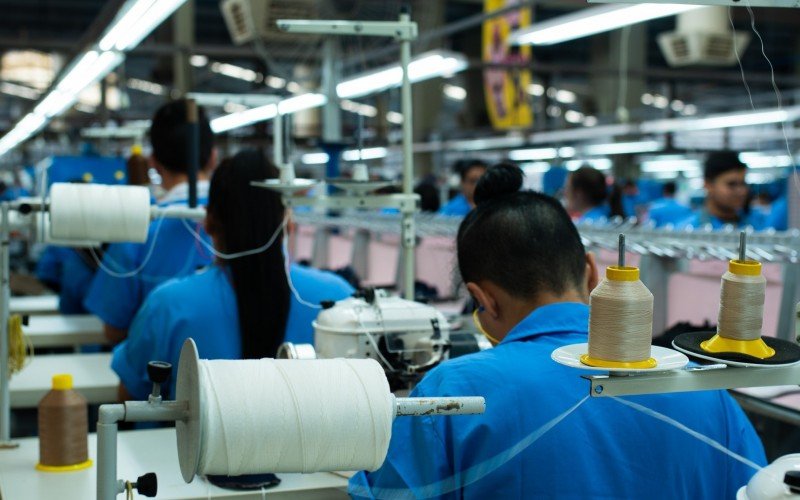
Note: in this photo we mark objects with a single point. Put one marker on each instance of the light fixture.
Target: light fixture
(572, 116)
(267, 112)
(590, 21)
(314, 158)
(145, 86)
(454, 92)
(394, 117)
(536, 89)
(19, 90)
(237, 72)
(620, 148)
(198, 61)
(720, 121)
(678, 165)
(761, 160)
(366, 154)
(565, 96)
(536, 167)
(359, 108)
(533, 154)
(423, 67)
(136, 20)
(597, 163)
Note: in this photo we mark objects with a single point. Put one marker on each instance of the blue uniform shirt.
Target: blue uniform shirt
(701, 218)
(595, 214)
(67, 269)
(176, 253)
(668, 211)
(778, 217)
(203, 307)
(457, 207)
(602, 450)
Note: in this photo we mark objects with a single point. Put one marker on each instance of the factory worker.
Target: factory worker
(587, 196)
(667, 210)
(171, 250)
(532, 285)
(778, 217)
(469, 171)
(236, 308)
(69, 272)
(726, 195)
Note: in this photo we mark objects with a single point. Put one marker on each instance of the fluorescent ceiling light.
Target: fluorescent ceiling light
(620, 148)
(221, 99)
(394, 117)
(587, 22)
(266, 112)
(533, 154)
(19, 90)
(727, 120)
(572, 116)
(684, 165)
(136, 20)
(314, 158)
(198, 61)
(237, 72)
(145, 86)
(455, 92)
(366, 154)
(598, 163)
(759, 160)
(423, 67)
(358, 108)
(536, 89)
(565, 96)
(537, 167)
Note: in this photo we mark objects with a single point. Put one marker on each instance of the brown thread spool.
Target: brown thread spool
(63, 428)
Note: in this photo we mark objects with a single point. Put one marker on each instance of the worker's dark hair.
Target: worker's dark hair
(669, 188)
(243, 217)
(592, 184)
(522, 241)
(169, 137)
(720, 162)
(464, 166)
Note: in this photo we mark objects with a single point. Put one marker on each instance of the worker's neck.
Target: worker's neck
(722, 213)
(171, 179)
(521, 309)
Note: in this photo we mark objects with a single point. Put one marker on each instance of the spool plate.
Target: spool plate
(666, 359)
(786, 353)
(285, 188)
(188, 431)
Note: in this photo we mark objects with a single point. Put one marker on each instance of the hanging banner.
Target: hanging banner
(507, 100)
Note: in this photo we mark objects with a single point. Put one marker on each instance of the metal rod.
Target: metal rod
(178, 212)
(621, 257)
(743, 246)
(418, 407)
(5, 371)
(409, 239)
(193, 149)
(277, 140)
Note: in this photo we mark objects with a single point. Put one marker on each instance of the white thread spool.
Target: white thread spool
(741, 306)
(620, 321)
(293, 415)
(41, 230)
(97, 212)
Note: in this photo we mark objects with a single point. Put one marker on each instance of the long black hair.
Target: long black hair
(522, 241)
(243, 217)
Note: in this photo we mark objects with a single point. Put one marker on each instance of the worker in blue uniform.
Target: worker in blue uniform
(667, 210)
(588, 198)
(469, 172)
(726, 195)
(237, 308)
(532, 286)
(68, 271)
(778, 217)
(171, 250)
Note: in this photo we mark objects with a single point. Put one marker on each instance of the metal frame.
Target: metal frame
(728, 3)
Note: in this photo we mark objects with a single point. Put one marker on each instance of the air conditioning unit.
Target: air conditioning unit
(250, 20)
(703, 38)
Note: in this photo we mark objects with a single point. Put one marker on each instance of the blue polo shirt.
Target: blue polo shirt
(203, 307)
(595, 214)
(778, 217)
(602, 450)
(176, 253)
(701, 218)
(668, 211)
(67, 269)
(457, 207)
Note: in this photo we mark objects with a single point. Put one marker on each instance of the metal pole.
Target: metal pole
(193, 149)
(409, 238)
(5, 372)
(742, 246)
(621, 257)
(277, 140)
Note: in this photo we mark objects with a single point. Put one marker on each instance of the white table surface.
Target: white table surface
(36, 304)
(91, 374)
(63, 331)
(139, 452)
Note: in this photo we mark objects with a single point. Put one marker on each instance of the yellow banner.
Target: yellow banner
(505, 89)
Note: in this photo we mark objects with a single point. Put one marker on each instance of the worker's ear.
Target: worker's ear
(485, 299)
(592, 276)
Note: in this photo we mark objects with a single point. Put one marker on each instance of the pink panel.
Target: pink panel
(436, 263)
(304, 238)
(383, 255)
(340, 250)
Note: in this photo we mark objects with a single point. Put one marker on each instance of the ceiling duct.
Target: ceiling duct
(703, 37)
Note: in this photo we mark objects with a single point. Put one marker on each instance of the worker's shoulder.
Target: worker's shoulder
(316, 278)
(192, 286)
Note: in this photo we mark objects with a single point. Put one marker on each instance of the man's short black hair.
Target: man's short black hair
(670, 188)
(464, 166)
(721, 162)
(169, 138)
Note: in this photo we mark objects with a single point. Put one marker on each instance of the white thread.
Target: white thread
(293, 416)
(97, 212)
(620, 321)
(741, 306)
(128, 274)
(796, 174)
(741, 70)
(244, 253)
(286, 264)
(705, 439)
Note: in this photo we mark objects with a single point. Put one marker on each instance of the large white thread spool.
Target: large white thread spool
(97, 212)
(254, 416)
(620, 321)
(741, 312)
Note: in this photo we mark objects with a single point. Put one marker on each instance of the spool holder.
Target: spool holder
(25, 207)
(185, 412)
